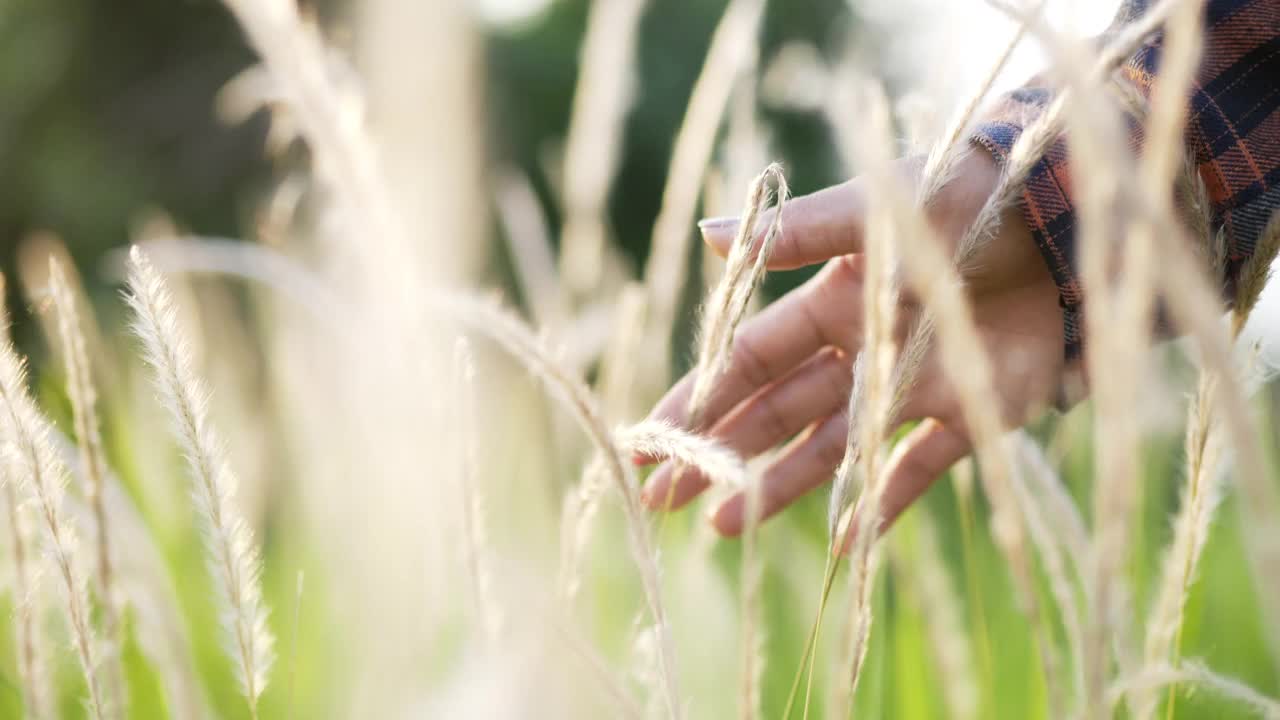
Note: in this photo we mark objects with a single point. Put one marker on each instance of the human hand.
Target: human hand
(791, 368)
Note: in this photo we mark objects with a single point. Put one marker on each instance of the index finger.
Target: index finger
(815, 227)
(824, 311)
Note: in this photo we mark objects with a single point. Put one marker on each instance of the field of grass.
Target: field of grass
(375, 460)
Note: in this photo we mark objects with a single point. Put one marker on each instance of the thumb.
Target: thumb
(815, 227)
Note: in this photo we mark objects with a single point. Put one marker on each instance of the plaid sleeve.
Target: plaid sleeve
(1233, 135)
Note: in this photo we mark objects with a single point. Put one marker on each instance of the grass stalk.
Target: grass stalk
(93, 460)
(725, 308)
(472, 513)
(1203, 488)
(32, 654)
(572, 393)
(732, 49)
(1193, 673)
(594, 138)
(233, 557)
(44, 478)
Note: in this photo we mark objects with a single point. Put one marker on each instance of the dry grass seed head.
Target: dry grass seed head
(744, 271)
(233, 557)
(43, 478)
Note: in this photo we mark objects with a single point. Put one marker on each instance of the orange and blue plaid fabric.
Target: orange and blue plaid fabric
(1233, 136)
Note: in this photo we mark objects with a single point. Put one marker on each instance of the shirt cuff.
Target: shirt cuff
(1046, 204)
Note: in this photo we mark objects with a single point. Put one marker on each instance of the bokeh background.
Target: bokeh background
(111, 122)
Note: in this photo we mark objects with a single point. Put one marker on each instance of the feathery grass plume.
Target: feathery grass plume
(34, 254)
(301, 73)
(31, 651)
(281, 273)
(1065, 520)
(964, 360)
(743, 273)
(1027, 151)
(746, 149)
(44, 478)
(658, 439)
(724, 309)
(475, 538)
(929, 274)
(1198, 675)
(529, 242)
(32, 654)
(1054, 553)
(1039, 134)
(1191, 526)
(938, 169)
(617, 384)
(870, 402)
(593, 142)
(843, 485)
(1200, 497)
(233, 557)
(1192, 200)
(1099, 153)
(646, 661)
(143, 580)
(577, 515)
(732, 49)
(945, 154)
(1192, 302)
(1158, 166)
(1204, 488)
(1255, 274)
(570, 391)
(143, 577)
(84, 398)
(869, 421)
(864, 411)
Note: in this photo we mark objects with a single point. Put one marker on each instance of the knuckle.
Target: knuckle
(749, 363)
(831, 449)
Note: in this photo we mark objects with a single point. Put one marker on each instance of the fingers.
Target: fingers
(928, 451)
(816, 389)
(807, 463)
(826, 310)
(815, 227)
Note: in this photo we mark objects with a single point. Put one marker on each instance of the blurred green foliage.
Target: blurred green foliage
(107, 110)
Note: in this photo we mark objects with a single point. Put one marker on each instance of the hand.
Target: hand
(791, 369)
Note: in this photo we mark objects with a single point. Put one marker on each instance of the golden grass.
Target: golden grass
(1137, 211)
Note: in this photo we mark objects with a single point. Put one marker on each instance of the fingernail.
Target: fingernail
(722, 518)
(717, 223)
